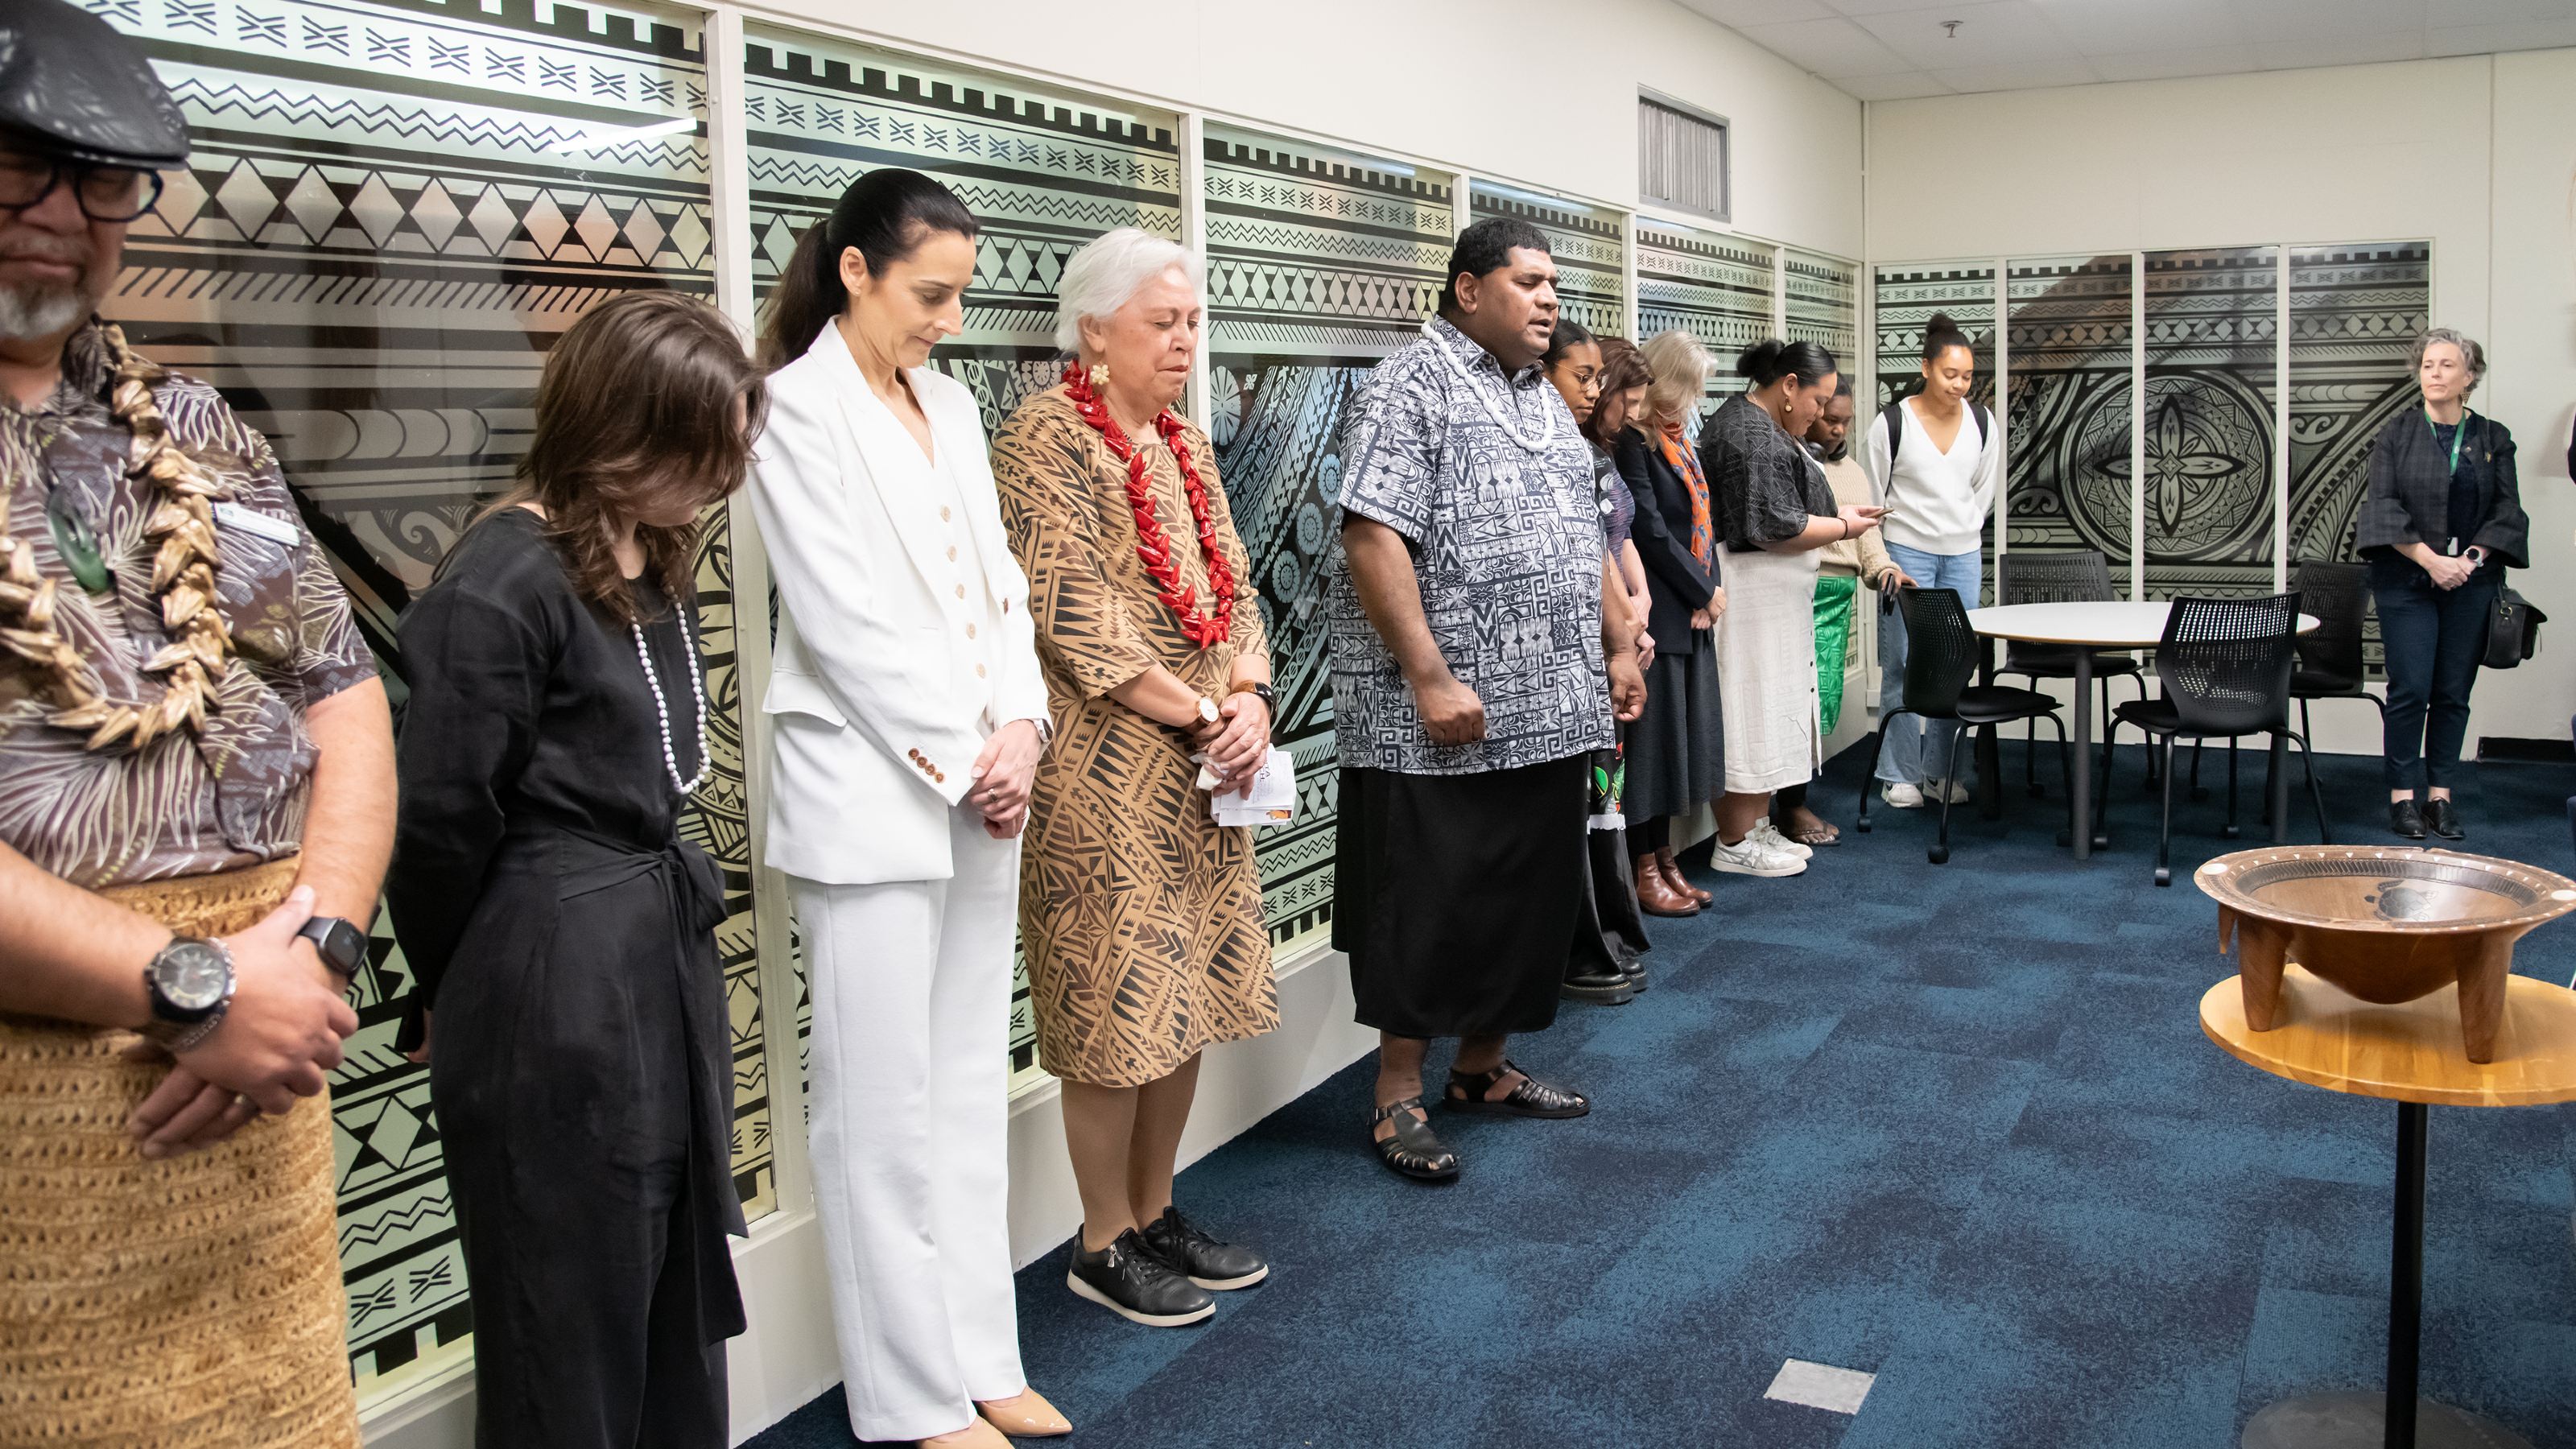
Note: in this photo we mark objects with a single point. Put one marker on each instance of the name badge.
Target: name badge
(275, 530)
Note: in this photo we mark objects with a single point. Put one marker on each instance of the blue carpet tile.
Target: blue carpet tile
(1955, 1126)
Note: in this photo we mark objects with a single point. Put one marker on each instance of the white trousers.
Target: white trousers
(910, 1131)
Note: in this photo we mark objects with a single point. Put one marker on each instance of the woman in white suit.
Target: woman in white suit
(907, 713)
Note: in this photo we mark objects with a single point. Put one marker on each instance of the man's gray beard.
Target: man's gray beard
(31, 312)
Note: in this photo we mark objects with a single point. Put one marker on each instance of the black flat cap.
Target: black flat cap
(71, 85)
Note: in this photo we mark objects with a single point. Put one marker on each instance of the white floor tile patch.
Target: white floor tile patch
(1820, 1386)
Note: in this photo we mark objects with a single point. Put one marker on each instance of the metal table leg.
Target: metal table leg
(2083, 754)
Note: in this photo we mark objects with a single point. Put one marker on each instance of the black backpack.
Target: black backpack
(1894, 415)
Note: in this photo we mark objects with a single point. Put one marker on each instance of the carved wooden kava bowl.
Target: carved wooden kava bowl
(2385, 925)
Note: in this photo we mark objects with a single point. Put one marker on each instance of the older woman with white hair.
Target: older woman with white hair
(1140, 916)
(2440, 522)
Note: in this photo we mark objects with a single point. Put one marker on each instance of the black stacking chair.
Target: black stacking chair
(2075, 577)
(1941, 655)
(2330, 664)
(2225, 665)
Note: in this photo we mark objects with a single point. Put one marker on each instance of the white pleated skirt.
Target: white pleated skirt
(1766, 668)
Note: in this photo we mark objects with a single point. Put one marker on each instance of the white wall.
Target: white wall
(1541, 94)
(2475, 153)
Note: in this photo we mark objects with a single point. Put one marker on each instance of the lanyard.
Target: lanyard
(2459, 435)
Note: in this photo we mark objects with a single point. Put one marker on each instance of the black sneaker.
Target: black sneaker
(1202, 1259)
(2443, 820)
(1129, 1280)
(2406, 819)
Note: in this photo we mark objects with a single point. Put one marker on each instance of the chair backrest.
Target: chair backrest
(2339, 595)
(2225, 663)
(2079, 576)
(1940, 650)
(2075, 576)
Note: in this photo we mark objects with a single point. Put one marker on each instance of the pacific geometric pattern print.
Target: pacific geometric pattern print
(1907, 295)
(2353, 312)
(1821, 298)
(1718, 288)
(1042, 172)
(2212, 346)
(2068, 477)
(1320, 264)
(388, 216)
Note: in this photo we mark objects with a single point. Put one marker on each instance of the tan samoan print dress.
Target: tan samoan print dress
(1139, 915)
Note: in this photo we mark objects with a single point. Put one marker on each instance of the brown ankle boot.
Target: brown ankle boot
(1656, 895)
(1680, 882)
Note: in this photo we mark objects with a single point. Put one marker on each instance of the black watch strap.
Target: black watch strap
(342, 946)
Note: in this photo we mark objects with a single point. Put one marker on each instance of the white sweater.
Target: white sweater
(1941, 499)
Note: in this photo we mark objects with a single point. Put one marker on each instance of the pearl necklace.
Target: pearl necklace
(1510, 426)
(662, 709)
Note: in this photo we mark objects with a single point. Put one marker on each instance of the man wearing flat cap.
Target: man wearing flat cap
(196, 803)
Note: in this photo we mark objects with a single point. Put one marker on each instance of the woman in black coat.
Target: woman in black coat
(1676, 749)
(571, 1005)
(2440, 524)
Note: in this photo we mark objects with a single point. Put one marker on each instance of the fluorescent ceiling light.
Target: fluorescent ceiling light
(598, 140)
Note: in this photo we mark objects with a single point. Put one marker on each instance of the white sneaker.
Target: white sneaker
(1901, 795)
(1957, 793)
(1753, 856)
(1770, 835)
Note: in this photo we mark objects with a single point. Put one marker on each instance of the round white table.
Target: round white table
(2090, 626)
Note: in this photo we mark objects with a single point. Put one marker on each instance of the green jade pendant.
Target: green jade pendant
(77, 542)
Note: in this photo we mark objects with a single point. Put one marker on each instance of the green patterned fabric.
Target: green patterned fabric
(1834, 595)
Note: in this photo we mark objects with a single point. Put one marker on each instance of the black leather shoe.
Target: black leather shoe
(1128, 1279)
(1635, 968)
(2405, 819)
(2443, 820)
(1601, 984)
(1201, 1259)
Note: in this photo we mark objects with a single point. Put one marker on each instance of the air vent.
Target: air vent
(1681, 157)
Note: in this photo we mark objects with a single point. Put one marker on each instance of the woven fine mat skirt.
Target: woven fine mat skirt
(1766, 667)
(190, 1303)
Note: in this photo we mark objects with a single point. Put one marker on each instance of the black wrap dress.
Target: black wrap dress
(564, 935)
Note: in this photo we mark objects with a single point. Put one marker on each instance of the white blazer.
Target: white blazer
(872, 742)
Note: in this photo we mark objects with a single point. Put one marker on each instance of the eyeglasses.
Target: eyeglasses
(105, 193)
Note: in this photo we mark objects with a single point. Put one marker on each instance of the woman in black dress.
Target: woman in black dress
(560, 929)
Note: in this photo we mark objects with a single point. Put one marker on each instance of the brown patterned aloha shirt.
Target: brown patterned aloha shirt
(189, 803)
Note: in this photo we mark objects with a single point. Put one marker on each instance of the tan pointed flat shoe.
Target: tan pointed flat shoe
(1028, 1416)
(976, 1435)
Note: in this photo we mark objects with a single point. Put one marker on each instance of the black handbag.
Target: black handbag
(2513, 630)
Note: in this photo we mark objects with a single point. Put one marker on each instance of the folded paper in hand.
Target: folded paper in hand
(1271, 798)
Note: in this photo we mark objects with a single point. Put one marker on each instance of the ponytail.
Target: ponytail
(1940, 334)
(884, 215)
(1768, 361)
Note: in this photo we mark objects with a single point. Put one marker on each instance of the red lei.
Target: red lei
(1153, 546)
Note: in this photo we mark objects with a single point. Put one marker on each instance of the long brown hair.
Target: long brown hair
(637, 413)
(1622, 367)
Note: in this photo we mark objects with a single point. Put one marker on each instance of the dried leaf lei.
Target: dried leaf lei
(182, 524)
(1153, 546)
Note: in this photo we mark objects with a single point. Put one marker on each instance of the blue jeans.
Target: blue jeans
(2435, 640)
(1912, 741)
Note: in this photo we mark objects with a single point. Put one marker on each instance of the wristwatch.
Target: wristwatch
(189, 983)
(341, 945)
(1207, 710)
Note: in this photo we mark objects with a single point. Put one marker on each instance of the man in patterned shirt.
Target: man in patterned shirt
(196, 791)
(1471, 680)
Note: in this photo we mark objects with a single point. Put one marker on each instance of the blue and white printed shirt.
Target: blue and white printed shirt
(1488, 480)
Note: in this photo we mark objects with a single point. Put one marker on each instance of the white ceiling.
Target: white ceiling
(1883, 50)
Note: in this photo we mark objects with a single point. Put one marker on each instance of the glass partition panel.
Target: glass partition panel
(1718, 288)
(2211, 347)
(1591, 259)
(1908, 294)
(2068, 464)
(1823, 304)
(391, 212)
(1320, 263)
(2353, 312)
(1043, 171)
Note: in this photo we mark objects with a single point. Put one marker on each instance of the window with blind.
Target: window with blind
(1681, 157)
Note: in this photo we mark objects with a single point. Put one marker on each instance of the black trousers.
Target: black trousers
(1458, 897)
(2435, 640)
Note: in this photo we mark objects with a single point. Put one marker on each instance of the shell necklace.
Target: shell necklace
(1510, 426)
(662, 709)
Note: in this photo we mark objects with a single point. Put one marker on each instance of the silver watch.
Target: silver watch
(189, 984)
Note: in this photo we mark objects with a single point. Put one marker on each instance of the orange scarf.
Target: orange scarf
(1685, 461)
